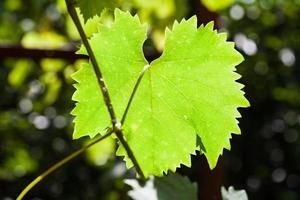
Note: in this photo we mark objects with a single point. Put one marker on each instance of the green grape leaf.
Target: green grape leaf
(170, 187)
(216, 5)
(187, 95)
(90, 8)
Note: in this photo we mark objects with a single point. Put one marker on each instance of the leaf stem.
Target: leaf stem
(117, 126)
(61, 163)
(134, 91)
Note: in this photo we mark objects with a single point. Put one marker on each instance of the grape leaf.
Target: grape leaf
(216, 5)
(170, 187)
(90, 8)
(188, 93)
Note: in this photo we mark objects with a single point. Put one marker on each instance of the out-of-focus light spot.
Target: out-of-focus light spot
(290, 118)
(253, 183)
(50, 112)
(253, 12)
(60, 122)
(239, 39)
(249, 47)
(293, 181)
(32, 116)
(277, 155)
(27, 25)
(291, 136)
(52, 12)
(261, 68)
(119, 170)
(278, 125)
(278, 175)
(7, 198)
(35, 88)
(56, 188)
(237, 12)
(266, 4)
(41, 122)
(58, 144)
(25, 105)
(287, 57)
(246, 44)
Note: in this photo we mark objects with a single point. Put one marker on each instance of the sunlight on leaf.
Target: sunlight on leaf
(189, 92)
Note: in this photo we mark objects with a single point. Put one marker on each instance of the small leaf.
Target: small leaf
(233, 194)
(170, 187)
(90, 8)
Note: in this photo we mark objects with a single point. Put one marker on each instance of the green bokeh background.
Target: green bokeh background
(35, 101)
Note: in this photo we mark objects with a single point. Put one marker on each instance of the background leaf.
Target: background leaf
(90, 8)
(170, 187)
(215, 5)
(232, 194)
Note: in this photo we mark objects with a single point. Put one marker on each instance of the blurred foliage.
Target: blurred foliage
(101, 152)
(216, 5)
(267, 156)
(35, 124)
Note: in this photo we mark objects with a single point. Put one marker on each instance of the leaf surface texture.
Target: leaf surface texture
(187, 99)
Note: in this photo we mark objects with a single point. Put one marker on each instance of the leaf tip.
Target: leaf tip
(193, 20)
(210, 25)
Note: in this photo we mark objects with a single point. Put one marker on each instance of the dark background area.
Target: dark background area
(36, 90)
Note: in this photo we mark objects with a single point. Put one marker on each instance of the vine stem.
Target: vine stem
(134, 91)
(117, 126)
(61, 163)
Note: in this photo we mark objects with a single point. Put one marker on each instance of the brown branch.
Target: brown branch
(16, 51)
